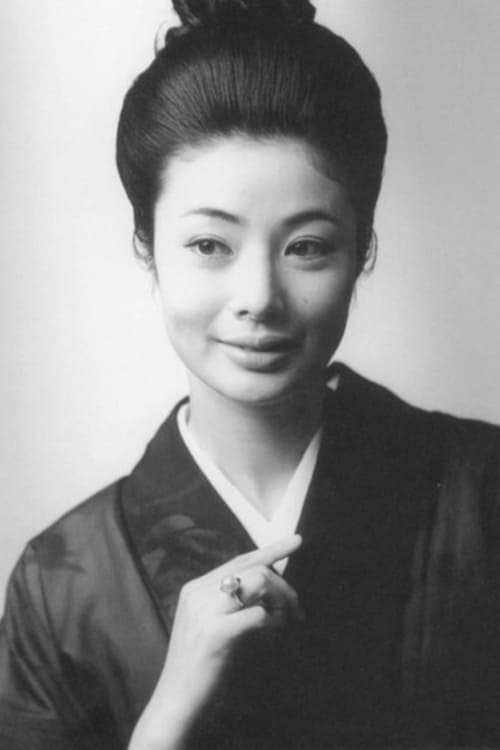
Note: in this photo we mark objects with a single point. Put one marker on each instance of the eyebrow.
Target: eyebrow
(312, 215)
(214, 213)
(300, 218)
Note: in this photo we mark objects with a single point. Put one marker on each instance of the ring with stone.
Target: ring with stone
(231, 585)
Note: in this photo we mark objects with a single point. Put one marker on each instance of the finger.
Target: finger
(267, 555)
(262, 585)
(258, 586)
(245, 621)
(287, 594)
(271, 553)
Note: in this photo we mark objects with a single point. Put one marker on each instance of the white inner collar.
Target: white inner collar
(287, 513)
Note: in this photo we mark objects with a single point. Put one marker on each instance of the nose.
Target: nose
(257, 290)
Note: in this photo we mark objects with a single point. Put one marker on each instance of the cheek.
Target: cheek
(325, 305)
(187, 303)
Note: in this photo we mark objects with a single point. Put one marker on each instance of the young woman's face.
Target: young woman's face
(255, 252)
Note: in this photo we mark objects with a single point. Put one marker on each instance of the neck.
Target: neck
(256, 446)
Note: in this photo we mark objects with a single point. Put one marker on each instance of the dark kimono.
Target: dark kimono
(399, 575)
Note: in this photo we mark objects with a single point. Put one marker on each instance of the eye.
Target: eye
(208, 247)
(307, 248)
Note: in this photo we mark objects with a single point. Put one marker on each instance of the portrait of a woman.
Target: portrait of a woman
(300, 560)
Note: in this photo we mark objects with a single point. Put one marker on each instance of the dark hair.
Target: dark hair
(262, 68)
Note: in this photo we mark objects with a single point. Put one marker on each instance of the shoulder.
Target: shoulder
(444, 456)
(61, 556)
(446, 465)
(379, 408)
(82, 529)
(55, 565)
(91, 536)
(88, 554)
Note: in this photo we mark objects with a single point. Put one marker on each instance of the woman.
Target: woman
(178, 608)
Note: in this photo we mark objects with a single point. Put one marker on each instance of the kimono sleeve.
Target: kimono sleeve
(30, 687)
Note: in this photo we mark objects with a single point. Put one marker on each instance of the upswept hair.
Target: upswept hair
(261, 69)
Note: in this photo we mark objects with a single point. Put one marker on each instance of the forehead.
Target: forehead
(240, 169)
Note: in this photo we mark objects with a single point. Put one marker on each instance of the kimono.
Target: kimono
(398, 574)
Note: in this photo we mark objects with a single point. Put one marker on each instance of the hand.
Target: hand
(208, 623)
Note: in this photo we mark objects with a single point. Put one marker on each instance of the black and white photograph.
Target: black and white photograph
(250, 375)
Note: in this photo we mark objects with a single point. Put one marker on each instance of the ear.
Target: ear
(144, 255)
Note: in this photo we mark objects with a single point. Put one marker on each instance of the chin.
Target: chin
(259, 389)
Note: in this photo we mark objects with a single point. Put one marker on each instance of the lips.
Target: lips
(269, 353)
(268, 343)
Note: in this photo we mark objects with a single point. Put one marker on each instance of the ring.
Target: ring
(231, 585)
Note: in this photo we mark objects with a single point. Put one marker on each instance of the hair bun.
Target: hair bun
(241, 13)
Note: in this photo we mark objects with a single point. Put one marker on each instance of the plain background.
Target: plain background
(86, 371)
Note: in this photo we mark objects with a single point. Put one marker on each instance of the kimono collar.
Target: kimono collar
(180, 528)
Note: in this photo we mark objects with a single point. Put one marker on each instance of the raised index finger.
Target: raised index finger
(267, 555)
